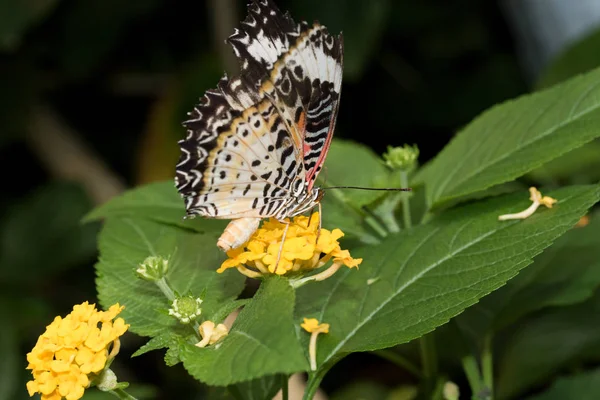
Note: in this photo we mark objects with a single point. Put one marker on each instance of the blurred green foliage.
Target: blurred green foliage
(123, 74)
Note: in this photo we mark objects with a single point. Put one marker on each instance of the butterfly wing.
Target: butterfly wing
(325, 53)
(248, 141)
(307, 77)
(240, 164)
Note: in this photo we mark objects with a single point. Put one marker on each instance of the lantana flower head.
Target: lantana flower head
(186, 308)
(73, 351)
(306, 248)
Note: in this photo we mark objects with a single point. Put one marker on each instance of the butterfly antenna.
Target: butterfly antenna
(366, 188)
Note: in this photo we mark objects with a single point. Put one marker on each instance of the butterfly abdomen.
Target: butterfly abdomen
(237, 233)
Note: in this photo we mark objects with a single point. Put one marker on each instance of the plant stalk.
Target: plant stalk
(405, 201)
(284, 387)
(164, 287)
(121, 394)
(377, 227)
(428, 355)
(428, 364)
(487, 365)
(473, 374)
(438, 392)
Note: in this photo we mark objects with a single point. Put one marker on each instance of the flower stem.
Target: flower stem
(318, 277)
(521, 215)
(428, 364)
(312, 350)
(164, 287)
(385, 211)
(405, 201)
(487, 365)
(438, 391)
(399, 361)
(121, 394)
(284, 387)
(428, 355)
(377, 227)
(472, 372)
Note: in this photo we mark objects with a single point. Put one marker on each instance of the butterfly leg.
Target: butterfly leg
(320, 224)
(320, 220)
(287, 225)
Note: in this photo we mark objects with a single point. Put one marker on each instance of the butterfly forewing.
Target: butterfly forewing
(254, 137)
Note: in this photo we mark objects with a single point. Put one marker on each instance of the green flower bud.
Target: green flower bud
(153, 268)
(186, 308)
(403, 158)
(107, 381)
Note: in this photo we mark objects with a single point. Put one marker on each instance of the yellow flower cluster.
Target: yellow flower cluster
(306, 248)
(72, 349)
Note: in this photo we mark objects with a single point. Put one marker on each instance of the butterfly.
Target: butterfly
(255, 144)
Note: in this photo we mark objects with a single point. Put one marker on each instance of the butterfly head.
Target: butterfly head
(305, 200)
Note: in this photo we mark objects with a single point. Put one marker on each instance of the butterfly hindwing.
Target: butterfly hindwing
(245, 170)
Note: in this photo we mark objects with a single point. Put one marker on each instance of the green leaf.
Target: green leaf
(27, 252)
(172, 357)
(193, 259)
(539, 348)
(258, 389)
(566, 273)
(576, 59)
(16, 16)
(261, 342)
(156, 201)
(515, 137)
(583, 386)
(352, 164)
(337, 213)
(579, 166)
(227, 308)
(418, 280)
(156, 343)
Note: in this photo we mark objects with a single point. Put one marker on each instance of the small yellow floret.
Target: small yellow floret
(211, 333)
(72, 349)
(311, 325)
(536, 196)
(306, 248)
(583, 221)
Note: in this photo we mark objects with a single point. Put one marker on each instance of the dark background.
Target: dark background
(91, 99)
